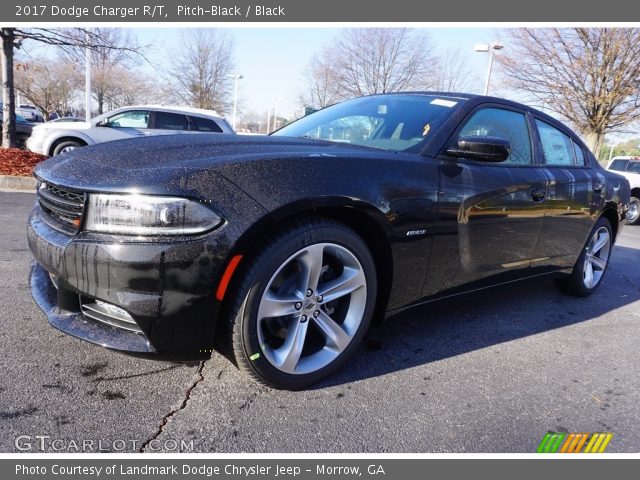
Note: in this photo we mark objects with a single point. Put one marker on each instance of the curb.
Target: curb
(25, 184)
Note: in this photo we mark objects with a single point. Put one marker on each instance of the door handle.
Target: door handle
(538, 194)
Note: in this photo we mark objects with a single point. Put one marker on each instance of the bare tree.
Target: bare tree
(202, 67)
(12, 38)
(451, 73)
(49, 84)
(136, 87)
(364, 61)
(590, 76)
(117, 51)
(323, 86)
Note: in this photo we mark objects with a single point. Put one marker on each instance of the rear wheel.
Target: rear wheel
(303, 304)
(592, 263)
(633, 214)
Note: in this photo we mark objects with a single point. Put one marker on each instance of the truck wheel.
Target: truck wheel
(633, 214)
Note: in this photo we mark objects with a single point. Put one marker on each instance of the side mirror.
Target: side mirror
(485, 149)
(102, 123)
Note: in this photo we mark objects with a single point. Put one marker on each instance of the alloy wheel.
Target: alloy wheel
(633, 212)
(311, 308)
(596, 258)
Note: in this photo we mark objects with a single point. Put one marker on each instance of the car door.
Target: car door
(127, 124)
(169, 123)
(489, 214)
(573, 196)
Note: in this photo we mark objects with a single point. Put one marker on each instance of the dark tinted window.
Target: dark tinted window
(505, 124)
(620, 165)
(204, 125)
(557, 147)
(580, 158)
(171, 121)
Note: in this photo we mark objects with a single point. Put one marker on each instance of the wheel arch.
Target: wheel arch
(610, 212)
(635, 192)
(366, 220)
(66, 138)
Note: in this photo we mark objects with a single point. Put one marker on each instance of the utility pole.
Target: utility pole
(87, 80)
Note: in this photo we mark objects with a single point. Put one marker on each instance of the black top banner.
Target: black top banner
(100, 11)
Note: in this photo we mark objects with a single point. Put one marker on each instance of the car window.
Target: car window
(557, 147)
(130, 119)
(633, 167)
(204, 125)
(619, 165)
(580, 158)
(395, 122)
(171, 121)
(505, 124)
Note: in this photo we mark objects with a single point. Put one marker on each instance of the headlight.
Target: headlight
(148, 215)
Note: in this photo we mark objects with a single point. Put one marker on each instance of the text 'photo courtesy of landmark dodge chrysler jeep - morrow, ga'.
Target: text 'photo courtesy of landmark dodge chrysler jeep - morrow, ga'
(281, 250)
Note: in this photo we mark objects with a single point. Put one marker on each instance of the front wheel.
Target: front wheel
(303, 304)
(64, 147)
(592, 263)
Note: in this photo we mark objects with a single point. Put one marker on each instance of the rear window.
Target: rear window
(557, 147)
(580, 158)
(204, 125)
(171, 121)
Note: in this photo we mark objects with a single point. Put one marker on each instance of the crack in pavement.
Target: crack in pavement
(183, 405)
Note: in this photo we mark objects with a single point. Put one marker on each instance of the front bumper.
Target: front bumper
(165, 286)
(35, 143)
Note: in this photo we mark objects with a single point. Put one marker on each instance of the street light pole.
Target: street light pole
(87, 81)
(235, 98)
(275, 114)
(484, 47)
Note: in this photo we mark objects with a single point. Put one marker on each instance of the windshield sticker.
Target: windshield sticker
(426, 129)
(444, 103)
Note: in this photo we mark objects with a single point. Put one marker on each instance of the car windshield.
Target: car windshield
(388, 122)
(633, 167)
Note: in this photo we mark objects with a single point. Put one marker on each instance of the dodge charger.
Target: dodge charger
(282, 250)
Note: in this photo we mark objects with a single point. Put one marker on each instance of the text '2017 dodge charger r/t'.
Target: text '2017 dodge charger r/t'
(283, 249)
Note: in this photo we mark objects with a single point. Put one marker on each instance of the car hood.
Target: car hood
(63, 126)
(137, 163)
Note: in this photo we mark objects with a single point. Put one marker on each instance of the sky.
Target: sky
(271, 60)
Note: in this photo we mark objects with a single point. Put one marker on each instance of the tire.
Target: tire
(281, 331)
(66, 146)
(633, 214)
(592, 263)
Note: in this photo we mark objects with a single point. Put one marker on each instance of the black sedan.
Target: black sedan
(282, 250)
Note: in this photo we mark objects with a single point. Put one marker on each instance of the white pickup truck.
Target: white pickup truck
(629, 167)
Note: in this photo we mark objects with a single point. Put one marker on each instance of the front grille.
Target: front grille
(106, 313)
(63, 208)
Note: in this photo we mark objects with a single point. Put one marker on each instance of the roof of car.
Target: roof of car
(175, 109)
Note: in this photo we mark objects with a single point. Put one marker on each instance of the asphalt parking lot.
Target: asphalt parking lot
(492, 372)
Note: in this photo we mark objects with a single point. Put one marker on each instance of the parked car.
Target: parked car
(284, 248)
(629, 167)
(31, 113)
(53, 138)
(23, 128)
